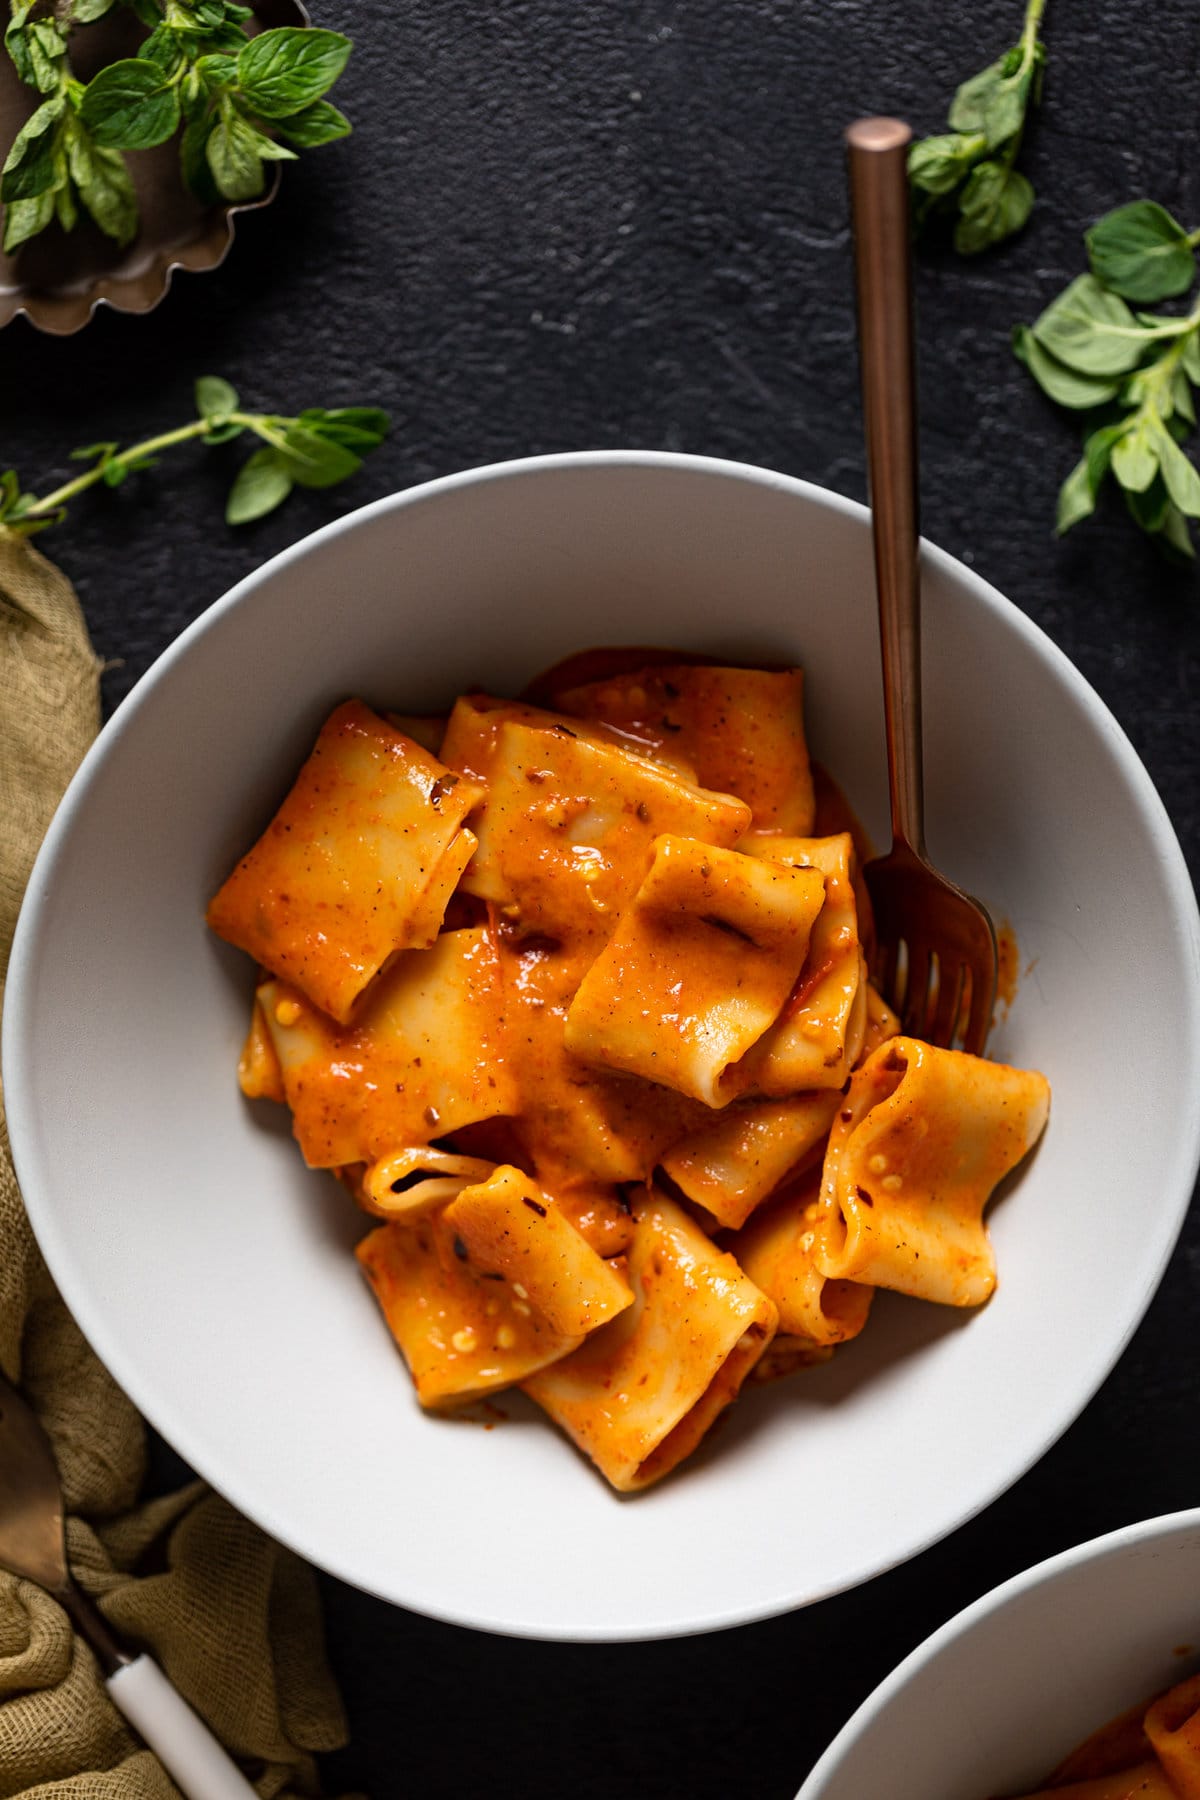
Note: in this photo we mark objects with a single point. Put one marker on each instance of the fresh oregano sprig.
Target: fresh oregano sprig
(1132, 372)
(55, 169)
(228, 102)
(970, 173)
(317, 448)
(234, 97)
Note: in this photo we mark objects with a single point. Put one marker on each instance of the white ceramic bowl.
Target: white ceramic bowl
(213, 1273)
(995, 1699)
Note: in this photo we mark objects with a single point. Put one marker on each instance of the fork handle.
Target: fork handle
(183, 1744)
(877, 152)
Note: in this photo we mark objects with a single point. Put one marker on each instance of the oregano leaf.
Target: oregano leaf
(1135, 459)
(283, 71)
(1140, 251)
(1092, 330)
(130, 106)
(995, 203)
(105, 187)
(1076, 498)
(231, 152)
(1179, 474)
(1066, 386)
(262, 484)
(215, 397)
(320, 123)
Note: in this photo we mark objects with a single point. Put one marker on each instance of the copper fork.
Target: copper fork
(936, 946)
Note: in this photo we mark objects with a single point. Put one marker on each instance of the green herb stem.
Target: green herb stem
(317, 448)
(1156, 377)
(48, 503)
(1029, 36)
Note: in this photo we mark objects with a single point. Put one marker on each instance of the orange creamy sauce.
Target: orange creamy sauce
(1008, 965)
(531, 836)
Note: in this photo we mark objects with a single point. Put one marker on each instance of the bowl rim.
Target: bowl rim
(139, 1381)
(1009, 1593)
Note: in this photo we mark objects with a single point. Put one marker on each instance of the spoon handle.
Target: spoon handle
(877, 151)
(180, 1739)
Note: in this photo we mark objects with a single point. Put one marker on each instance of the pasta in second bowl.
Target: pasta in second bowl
(212, 1271)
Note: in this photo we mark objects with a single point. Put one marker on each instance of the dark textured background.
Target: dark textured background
(574, 223)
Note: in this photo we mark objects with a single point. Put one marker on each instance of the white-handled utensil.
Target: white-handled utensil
(32, 1546)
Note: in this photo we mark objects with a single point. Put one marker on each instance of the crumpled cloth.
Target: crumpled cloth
(232, 1617)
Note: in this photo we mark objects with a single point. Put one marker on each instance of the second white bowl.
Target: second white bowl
(995, 1699)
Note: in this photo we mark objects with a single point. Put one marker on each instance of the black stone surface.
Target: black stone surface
(574, 223)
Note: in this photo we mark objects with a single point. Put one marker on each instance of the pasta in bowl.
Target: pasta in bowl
(596, 1042)
(216, 1275)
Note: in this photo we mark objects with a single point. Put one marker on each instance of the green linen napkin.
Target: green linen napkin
(232, 1617)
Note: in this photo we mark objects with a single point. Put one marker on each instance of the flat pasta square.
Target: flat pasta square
(471, 738)
(507, 1225)
(461, 1334)
(425, 1056)
(356, 865)
(577, 1124)
(816, 1039)
(698, 969)
(778, 1250)
(565, 837)
(741, 729)
(259, 1074)
(639, 1394)
(739, 1156)
(922, 1139)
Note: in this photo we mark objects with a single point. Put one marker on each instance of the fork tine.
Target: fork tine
(924, 1000)
(887, 966)
(979, 1019)
(916, 990)
(949, 1004)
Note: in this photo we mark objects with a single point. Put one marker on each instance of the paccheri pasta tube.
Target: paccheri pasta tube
(1151, 1752)
(573, 999)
